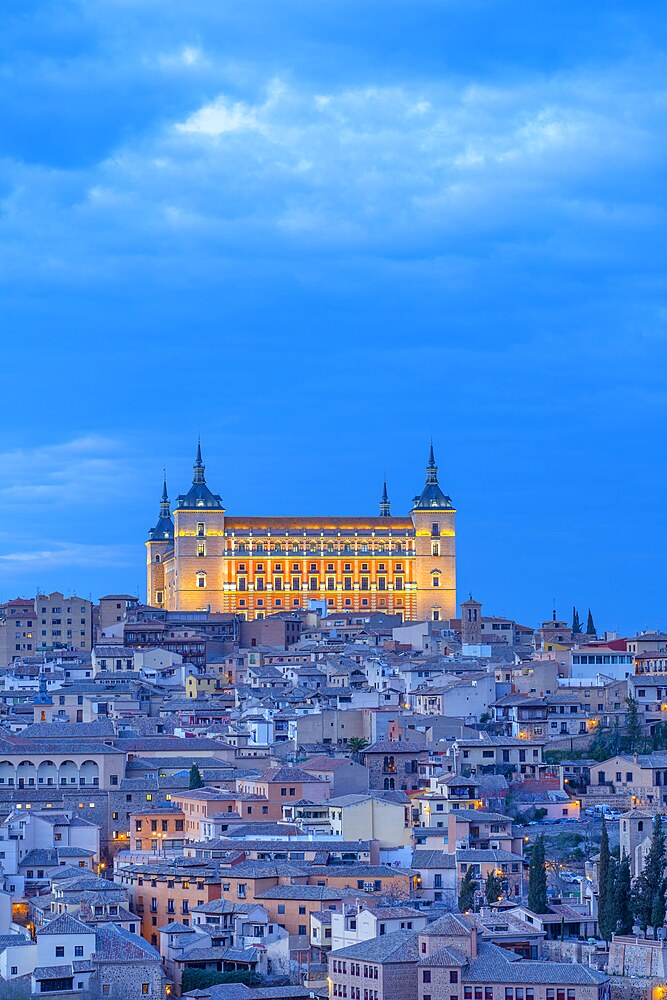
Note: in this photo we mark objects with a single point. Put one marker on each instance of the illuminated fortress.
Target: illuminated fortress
(256, 566)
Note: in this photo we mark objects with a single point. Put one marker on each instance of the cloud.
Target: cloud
(395, 169)
(66, 555)
(73, 472)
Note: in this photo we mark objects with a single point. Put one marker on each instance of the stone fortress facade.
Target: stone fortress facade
(200, 557)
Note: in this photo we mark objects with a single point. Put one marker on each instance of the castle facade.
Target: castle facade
(200, 557)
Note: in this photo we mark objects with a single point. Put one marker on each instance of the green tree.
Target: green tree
(357, 744)
(623, 897)
(611, 911)
(604, 897)
(633, 726)
(590, 624)
(537, 878)
(648, 891)
(196, 780)
(469, 887)
(576, 623)
(493, 888)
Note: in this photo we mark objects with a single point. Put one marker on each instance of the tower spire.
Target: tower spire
(385, 507)
(164, 529)
(165, 510)
(431, 468)
(432, 497)
(199, 467)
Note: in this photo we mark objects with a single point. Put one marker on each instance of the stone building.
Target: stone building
(446, 959)
(258, 566)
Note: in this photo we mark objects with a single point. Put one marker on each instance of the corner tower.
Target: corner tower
(433, 516)
(160, 544)
(199, 545)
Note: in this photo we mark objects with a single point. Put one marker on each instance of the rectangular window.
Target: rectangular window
(313, 584)
(201, 530)
(347, 583)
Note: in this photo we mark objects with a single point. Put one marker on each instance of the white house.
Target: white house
(359, 923)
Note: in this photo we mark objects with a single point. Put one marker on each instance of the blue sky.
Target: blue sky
(317, 233)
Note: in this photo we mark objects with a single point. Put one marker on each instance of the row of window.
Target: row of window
(178, 825)
(340, 990)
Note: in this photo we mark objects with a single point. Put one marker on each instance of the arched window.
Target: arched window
(157, 559)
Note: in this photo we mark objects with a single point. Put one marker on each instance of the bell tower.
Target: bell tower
(433, 516)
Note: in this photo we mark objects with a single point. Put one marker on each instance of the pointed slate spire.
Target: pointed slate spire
(199, 495)
(198, 468)
(431, 469)
(385, 507)
(432, 497)
(164, 529)
(165, 510)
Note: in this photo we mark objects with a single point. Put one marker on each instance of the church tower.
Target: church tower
(471, 621)
(199, 545)
(433, 516)
(160, 542)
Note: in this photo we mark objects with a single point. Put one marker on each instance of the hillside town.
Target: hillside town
(328, 805)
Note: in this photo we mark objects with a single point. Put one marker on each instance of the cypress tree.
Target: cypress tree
(196, 780)
(642, 901)
(623, 897)
(658, 909)
(576, 623)
(603, 885)
(467, 894)
(633, 726)
(648, 892)
(537, 879)
(493, 888)
(590, 624)
(611, 903)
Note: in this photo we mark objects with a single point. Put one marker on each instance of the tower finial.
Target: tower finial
(385, 507)
(165, 495)
(431, 456)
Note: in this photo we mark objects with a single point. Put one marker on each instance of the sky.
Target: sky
(318, 234)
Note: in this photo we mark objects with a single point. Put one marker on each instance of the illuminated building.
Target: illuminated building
(256, 566)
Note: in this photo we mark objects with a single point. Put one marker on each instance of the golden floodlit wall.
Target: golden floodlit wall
(256, 566)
